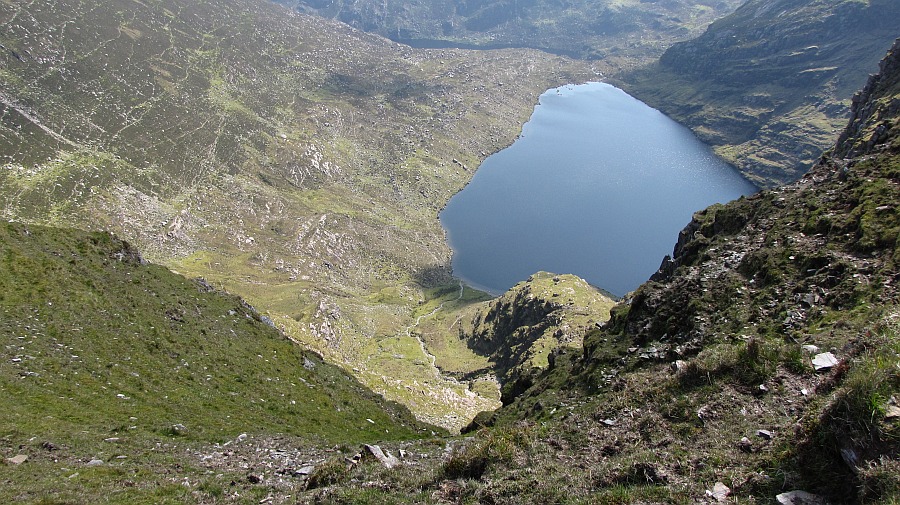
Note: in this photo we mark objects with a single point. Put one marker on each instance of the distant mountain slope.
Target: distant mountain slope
(295, 161)
(606, 29)
(104, 355)
(770, 84)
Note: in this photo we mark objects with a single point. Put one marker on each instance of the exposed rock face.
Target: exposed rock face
(873, 117)
(523, 329)
(769, 84)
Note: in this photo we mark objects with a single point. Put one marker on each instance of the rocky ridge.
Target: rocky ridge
(732, 331)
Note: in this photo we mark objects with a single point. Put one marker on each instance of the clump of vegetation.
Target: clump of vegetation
(332, 471)
(498, 448)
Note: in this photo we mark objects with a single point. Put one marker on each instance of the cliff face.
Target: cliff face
(522, 331)
(770, 84)
(875, 112)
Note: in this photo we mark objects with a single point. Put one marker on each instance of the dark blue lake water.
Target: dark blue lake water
(598, 185)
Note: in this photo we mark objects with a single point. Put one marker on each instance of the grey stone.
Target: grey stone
(17, 459)
(385, 458)
(799, 498)
(95, 462)
(850, 457)
(306, 470)
(766, 434)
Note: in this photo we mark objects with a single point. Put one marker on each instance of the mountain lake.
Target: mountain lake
(598, 185)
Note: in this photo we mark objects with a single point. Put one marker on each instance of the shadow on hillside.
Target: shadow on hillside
(433, 275)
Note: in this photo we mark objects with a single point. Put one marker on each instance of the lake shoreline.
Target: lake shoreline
(575, 113)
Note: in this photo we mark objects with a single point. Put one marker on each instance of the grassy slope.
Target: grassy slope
(296, 162)
(769, 85)
(97, 345)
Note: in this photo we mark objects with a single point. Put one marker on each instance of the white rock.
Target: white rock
(306, 470)
(824, 361)
(17, 459)
(719, 492)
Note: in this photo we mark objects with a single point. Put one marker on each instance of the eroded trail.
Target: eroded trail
(437, 309)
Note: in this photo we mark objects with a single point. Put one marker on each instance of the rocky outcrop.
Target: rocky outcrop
(523, 329)
(873, 116)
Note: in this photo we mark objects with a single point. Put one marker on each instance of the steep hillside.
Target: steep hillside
(722, 342)
(600, 30)
(294, 161)
(760, 365)
(770, 84)
(114, 370)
